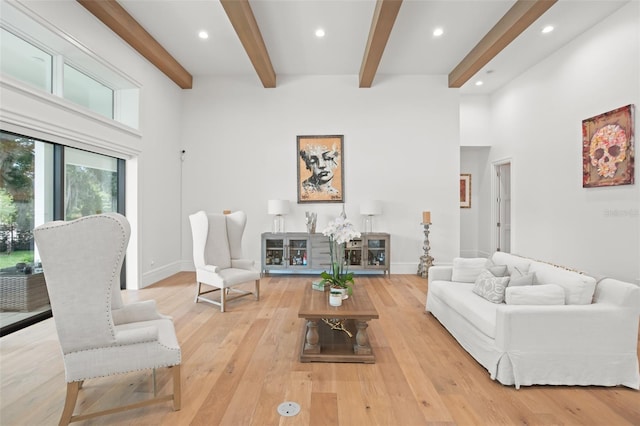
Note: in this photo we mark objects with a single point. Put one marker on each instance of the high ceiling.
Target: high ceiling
(287, 27)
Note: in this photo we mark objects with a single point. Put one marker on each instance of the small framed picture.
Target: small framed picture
(320, 169)
(465, 191)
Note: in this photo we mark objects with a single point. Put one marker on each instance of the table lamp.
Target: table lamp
(278, 208)
(368, 210)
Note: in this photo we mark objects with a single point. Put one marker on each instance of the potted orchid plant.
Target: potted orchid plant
(340, 231)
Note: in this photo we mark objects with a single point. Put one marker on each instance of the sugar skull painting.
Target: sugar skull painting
(608, 148)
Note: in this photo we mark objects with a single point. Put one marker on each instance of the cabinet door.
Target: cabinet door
(353, 254)
(274, 253)
(298, 252)
(377, 252)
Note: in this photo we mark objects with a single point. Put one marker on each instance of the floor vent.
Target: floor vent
(288, 409)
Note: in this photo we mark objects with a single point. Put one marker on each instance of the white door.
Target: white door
(503, 207)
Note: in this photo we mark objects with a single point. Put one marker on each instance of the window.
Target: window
(40, 182)
(85, 91)
(42, 56)
(25, 62)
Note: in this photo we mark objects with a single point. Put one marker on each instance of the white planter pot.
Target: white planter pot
(335, 298)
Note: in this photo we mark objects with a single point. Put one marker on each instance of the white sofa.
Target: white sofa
(590, 339)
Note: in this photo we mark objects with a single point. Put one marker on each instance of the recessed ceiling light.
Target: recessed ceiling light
(203, 35)
(438, 32)
(319, 33)
(479, 83)
(547, 29)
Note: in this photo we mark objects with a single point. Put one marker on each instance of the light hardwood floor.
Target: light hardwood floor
(237, 367)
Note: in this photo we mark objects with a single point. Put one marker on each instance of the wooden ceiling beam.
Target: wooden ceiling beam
(114, 16)
(521, 15)
(246, 27)
(384, 16)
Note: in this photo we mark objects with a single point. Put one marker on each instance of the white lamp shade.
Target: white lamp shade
(278, 207)
(371, 208)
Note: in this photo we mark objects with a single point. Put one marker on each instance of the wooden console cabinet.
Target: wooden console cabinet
(299, 252)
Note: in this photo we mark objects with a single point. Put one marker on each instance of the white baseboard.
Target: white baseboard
(155, 275)
(404, 268)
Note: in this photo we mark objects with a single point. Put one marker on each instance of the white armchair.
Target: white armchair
(217, 255)
(99, 335)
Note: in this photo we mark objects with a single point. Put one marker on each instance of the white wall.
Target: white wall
(401, 146)
(153, 171)
(475, 119)
(536, 119)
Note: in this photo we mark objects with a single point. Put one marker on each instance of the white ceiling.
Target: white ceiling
(288, 27)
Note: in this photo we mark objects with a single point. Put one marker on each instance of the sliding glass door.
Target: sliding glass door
(40, 182)
(90, 183)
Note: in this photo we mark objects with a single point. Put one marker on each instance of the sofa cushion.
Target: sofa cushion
(466, 270)
(490, 287)
(578, 288)
(461, 298)
(544, 294)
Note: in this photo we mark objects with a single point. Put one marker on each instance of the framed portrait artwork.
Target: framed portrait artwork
(320, 169)
(465, 191)
(608, 148)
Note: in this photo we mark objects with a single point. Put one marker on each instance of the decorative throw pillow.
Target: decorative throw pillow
(466, 270)
(519, 278)
(543, 294)
(490, 287)
(498, 270)
(518, 271)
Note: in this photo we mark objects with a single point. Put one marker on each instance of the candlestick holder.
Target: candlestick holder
(426, 261)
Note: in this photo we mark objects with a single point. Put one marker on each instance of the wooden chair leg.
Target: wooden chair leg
(177, 388)
(155, 383)
(74, 387)
(198, 291)
(70, 402)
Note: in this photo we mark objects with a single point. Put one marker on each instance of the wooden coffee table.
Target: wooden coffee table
(322, 343)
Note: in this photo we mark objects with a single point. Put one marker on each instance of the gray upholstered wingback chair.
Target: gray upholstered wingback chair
(217, 255)
(99, 335)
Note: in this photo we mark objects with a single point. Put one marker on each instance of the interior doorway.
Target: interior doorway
(503, 206)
